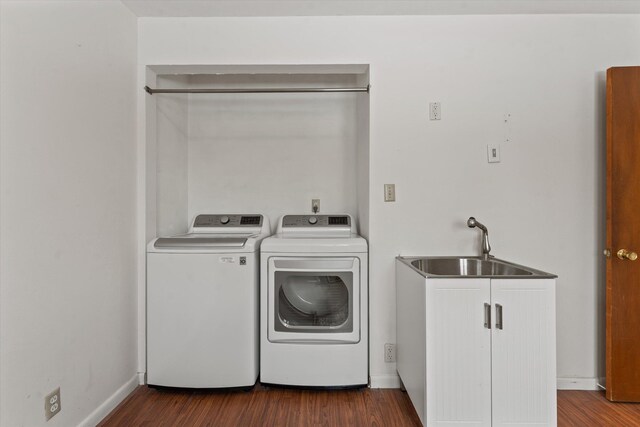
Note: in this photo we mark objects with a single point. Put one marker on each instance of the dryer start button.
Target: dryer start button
(313, 220)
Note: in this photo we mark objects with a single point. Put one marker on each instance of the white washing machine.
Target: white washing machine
(314, 303)
(202, 304)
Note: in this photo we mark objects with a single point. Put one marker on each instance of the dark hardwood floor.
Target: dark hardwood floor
(264, 406)
(590, 408)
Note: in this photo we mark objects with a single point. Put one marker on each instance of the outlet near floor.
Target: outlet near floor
(52, 404)
(389, 352)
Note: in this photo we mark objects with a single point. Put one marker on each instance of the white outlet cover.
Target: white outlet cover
(389, 352)
(52, 404)
(389, 192)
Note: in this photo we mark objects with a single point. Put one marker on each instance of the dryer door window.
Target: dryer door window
(314, 302)
(313, 299)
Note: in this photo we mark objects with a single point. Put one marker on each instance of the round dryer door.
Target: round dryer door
(313, 302)
(316, 295)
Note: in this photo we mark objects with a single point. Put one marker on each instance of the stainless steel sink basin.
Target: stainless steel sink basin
(470, 267)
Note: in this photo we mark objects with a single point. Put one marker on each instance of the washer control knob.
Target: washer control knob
(224, 220)
(313, 220)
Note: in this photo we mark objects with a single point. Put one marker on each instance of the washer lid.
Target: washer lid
(199, 242)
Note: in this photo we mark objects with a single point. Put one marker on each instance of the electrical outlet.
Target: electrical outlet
(315, 205)
(52, 404)
(389, 352)
(389, 192)
(435, 111)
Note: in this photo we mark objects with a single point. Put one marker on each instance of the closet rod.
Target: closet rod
(261, 90)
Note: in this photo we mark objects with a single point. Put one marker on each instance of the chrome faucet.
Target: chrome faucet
(486, 247)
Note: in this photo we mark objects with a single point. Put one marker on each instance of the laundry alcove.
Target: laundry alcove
(268, 152)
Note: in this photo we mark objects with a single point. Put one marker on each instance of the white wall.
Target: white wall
(542, 204)
(68, 175)
(172, 158)
(218, 152)
(272, 153)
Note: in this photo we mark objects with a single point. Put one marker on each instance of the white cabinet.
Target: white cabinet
(523, 350)
(458, 353)
(477, 351)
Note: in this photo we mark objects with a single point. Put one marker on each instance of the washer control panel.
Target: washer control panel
(229, 220)
(316, 221)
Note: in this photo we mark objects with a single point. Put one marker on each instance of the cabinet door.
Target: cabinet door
(523, 352)
(458, 353)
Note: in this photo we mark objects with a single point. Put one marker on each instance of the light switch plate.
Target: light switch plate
(493, 153)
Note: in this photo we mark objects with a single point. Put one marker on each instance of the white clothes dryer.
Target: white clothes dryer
(314, 303)
(202, 304)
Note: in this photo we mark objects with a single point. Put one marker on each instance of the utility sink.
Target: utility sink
(470, 267)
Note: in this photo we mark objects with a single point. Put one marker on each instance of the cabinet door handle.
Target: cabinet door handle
(487, 315)
(498, 316)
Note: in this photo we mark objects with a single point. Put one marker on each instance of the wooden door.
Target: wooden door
(623, 232)
(458, 350)
(523, 352)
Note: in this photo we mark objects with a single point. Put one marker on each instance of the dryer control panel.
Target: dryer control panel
(322, 226)
(316, 221)
(230, 220)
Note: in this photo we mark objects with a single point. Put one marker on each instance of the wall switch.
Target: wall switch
(52, 404)
(434, 111)
(389, 192)
(315, 205)
(389, 352)
(493, 153)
